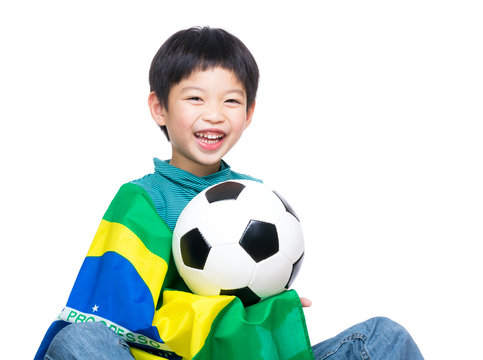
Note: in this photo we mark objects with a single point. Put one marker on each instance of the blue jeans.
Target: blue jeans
(375, 339)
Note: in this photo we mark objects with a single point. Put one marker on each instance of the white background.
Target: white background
(369, 121)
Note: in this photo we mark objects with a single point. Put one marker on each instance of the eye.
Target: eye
(233, 101)
(195, 98)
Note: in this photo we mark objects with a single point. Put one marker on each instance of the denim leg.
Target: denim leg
(374, 339)
(88, 341)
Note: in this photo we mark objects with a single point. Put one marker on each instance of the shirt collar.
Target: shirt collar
(163, 168)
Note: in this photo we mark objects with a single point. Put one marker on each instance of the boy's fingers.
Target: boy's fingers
(305, 302)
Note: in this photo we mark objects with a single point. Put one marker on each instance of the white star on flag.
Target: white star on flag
(95, 308)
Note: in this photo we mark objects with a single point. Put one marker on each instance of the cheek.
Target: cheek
(240, 121)
(182, 122)
(241, 127)
(237, 131)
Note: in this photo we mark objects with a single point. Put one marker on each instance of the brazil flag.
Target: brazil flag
(129, 282)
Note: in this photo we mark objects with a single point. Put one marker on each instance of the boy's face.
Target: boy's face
(205, 116)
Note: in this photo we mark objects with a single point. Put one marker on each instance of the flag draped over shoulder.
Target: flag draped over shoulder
(129, 282)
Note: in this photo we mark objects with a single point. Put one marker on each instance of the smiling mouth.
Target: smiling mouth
(209, 138)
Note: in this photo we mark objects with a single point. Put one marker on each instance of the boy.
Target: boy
(128, 300)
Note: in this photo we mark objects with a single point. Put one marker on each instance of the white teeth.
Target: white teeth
(208, 136)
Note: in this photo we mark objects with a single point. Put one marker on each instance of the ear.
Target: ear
(250, 112)
(158, 111)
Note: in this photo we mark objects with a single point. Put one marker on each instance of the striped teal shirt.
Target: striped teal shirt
(171, 188)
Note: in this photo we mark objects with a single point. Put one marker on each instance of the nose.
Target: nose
(213, 113)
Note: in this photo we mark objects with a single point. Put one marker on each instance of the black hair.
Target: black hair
(201, 48)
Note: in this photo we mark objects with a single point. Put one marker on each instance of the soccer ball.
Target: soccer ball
(238, 238)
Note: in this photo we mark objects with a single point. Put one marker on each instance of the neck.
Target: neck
(197, 169)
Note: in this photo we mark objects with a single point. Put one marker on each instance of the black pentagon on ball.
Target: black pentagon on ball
(295, 270)
(194, 249)
(228, 190)
(260, 240)
(288, 208)
(246, 295)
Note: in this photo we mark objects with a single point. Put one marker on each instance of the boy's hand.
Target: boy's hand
(305, 302)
